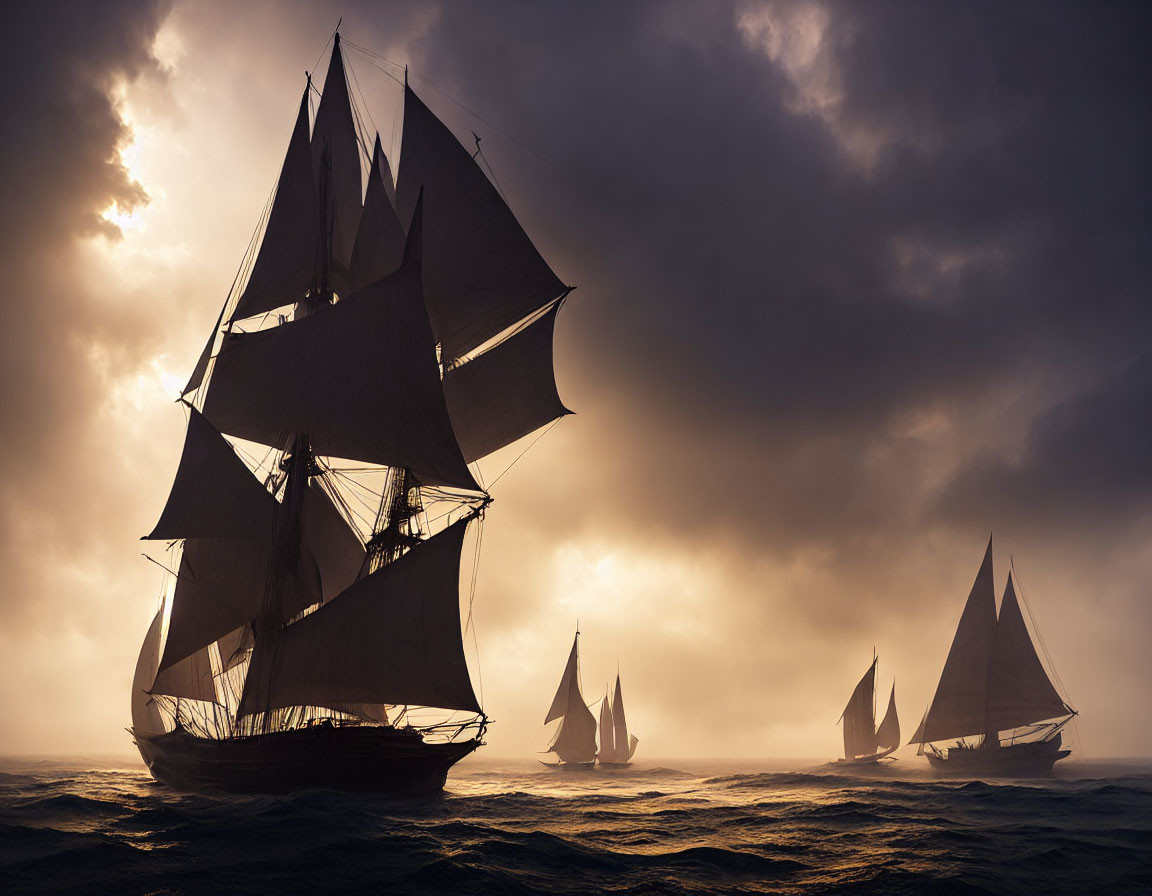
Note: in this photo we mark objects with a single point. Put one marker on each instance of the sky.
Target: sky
(858, 284)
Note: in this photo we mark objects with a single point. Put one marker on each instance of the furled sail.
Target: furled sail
(146, 718)
(505, 393)
(858, 717)
(483, 273)
(888, 734)
(335, 132)
(958, 708)
(285, 265)
(379, 246)
(359, 377)
(576, 738)
(625, 742)
(607, 731)
(1019, 690)
(214, 493)
(191, 678)
(392, 637)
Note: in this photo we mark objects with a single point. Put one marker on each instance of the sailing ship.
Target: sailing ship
(376, 344)
(575, 740)
(864, 743)
(617, 744)
(993, 682)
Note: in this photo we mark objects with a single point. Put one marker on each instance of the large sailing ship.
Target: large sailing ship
(575, 741)
(375, 344)
(993, 682)
(617, 744)
(864, 742)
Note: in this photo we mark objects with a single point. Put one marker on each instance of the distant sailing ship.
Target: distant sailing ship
(617, 745)
(313, 635)
(575, 740)
(993, 681)
(864, 743)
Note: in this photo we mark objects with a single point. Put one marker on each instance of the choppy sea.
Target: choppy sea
(83, 826)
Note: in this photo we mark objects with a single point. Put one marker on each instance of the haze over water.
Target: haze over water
(667, 827)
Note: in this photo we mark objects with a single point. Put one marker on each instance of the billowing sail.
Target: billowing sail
(335, 133)
(888, 734)
(625, 742)
(146, 718)
(285, 265)
(483, 273)
(214, 494)
(858, 718)
(505, 393)
(1019, 690)
(191, 678)
(337, 548)
(607, 732)
(379, 246)
(359, 377)
(392, 637)
(958, 708)
(576, 737)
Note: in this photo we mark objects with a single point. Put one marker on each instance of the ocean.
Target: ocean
(670, 827)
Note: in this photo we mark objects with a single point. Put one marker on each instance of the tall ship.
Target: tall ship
(575, 740)
(617, 743)
(865, 743)
(379, 339)
(995, 701)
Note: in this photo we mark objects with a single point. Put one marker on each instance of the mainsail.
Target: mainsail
(623, 744)
(575, 740)
(406, 357)
(859, 720)
(993, 679)
(888, 734)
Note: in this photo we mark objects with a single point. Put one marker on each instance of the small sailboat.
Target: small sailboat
(617, 745)
(993, 681)
(575, 740)
(864, 743)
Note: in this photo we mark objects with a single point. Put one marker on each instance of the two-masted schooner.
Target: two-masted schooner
(617, 744)
(864, 742)
(993, 682)
(376, 343)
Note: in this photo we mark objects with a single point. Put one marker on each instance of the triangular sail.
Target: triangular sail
(625, 744)
(392, 637)
(146, 718)
(483, 273)
(888, 734)
(379, 246)
(576, 737)
(1019, 690)
(285, 265)
(858, 718)
(958, 708)
(191, 678)
(505, 393)
(359, 377)
(234, 646)
(607, 732)
(567, 682)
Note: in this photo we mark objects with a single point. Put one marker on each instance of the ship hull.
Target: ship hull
(365, 759)
(871, 759)
(615, 764)
(1028, 760)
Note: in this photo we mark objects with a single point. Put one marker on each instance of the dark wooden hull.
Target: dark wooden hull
(871, 759)
(1027, 760)
(365, 759)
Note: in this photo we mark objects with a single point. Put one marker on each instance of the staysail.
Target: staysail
(958, 708)
(859, 720)
(379, 246)
(607, 731)
(575, 740)
(888, 734)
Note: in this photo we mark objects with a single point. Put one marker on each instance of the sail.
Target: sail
(958, 708)
(633, 740)
(335, 132)
(191, 678)
(201, 367)
(146, 717)
(392, 637)
(624, 747)
(576, 739)
(234, 646)
(337, 548)
(483, 273)
(607, 732)
(379, 244)
(214, 493)
(220, 587)
(359, 377)
(888, 734)
(284, 268)
(1019, 690)
(859, 720)
(567, 683)
(505, 393)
